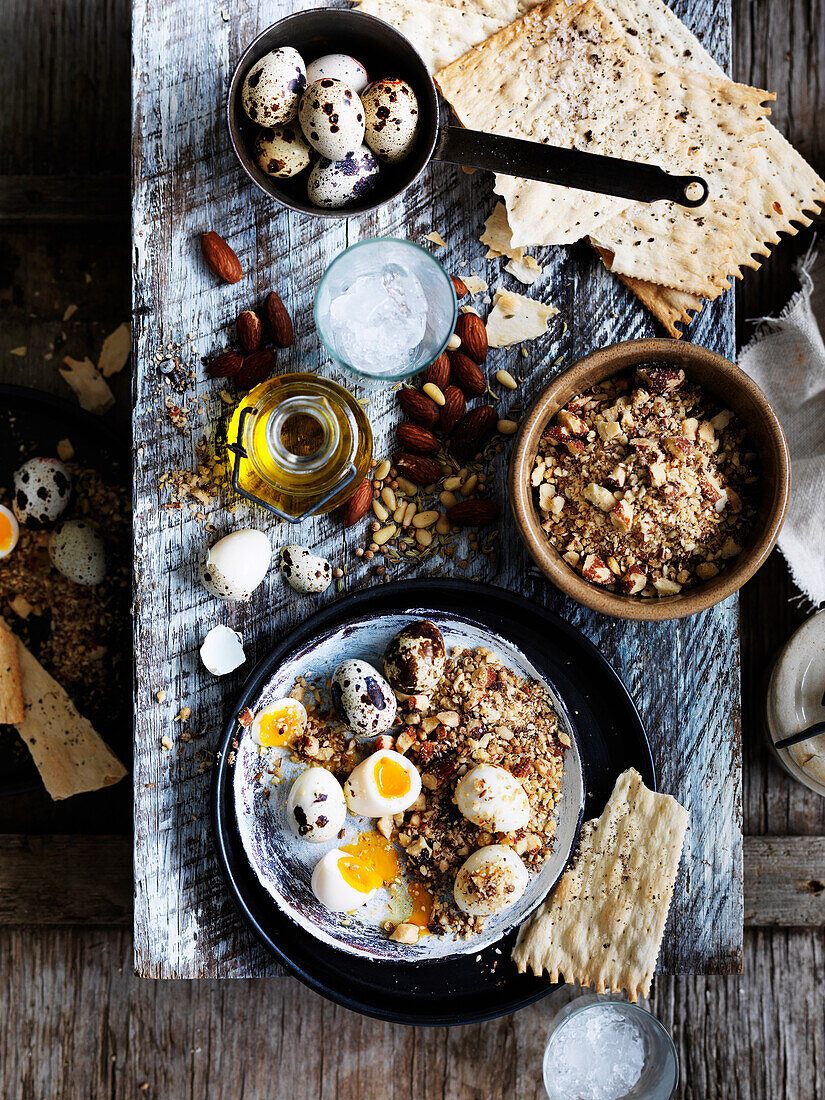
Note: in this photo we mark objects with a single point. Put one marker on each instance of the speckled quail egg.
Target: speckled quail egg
(9, 531)
(273, 87)
(332, 118)
(282, 151)
(339, 66)
(414, 660)
(304, 570)
(490, 880)
(77, 551)
(342, 882)
(237, 564)
(42, 487)
(363, 697)
(384, 784)
(337, 183)
(316, 808)
(492, 798)
(391, 119)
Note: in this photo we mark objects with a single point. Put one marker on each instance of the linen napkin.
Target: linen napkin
(787, 359)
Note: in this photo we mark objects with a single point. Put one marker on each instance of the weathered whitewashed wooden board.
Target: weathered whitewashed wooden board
(684, 676)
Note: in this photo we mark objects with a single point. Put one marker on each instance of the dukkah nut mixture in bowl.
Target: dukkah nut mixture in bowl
(656, 486)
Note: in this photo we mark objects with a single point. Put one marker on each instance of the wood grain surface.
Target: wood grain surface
(74, 1022)
(683, 676)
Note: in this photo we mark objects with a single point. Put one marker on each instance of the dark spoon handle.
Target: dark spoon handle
(803, 735)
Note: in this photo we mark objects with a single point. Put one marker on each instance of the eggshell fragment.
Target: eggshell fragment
(304, 571)
(222, 650)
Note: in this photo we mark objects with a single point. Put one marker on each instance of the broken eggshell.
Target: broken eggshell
(222, 650)
(304, 571)
(237, 564)
(414, 659)
(363, 697)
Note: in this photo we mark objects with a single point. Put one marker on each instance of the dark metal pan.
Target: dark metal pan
(387, 53)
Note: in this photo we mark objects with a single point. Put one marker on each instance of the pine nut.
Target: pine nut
(406, 487)
(382, 469)
(388, 496)
(423, 538)
(454, 343)
(409, 512)
(433, 392)
(452, 483)
(443, 525)
(384, 535)
(398, 514)
(505, 379)
(380, 511)
(507, 427)
(425, 519)
(469, 485)
(448, 499)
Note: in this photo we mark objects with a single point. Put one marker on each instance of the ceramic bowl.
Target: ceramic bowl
(714, 373)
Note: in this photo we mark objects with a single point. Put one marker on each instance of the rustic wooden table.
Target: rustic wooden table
(74, 1022)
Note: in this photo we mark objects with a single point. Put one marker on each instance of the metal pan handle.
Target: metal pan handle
(627, 179)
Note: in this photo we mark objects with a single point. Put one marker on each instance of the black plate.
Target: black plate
(32, 423)
(460, 989)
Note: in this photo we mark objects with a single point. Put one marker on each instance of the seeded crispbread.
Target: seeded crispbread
(12, 709)
(563, 75)
(604, 921)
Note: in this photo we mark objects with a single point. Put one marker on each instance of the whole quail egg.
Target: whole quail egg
(273, 87)
(77, 551)
(334, 183)
(414, 660)
(492, 798)
(304, 570)
(237, 564)
(364, 699)
(339, 66)
(490, 880)
(332, 118)
(281, 151)
(42, 487)
(316, 808)
(391, 119)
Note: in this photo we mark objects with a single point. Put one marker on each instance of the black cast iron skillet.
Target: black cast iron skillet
(385, 52)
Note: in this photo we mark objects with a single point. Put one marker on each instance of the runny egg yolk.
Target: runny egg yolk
(422, 901)
(7, 532)
(280, 725)
(374, 863)
(391, 778)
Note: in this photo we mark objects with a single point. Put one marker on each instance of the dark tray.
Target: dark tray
(463, 988)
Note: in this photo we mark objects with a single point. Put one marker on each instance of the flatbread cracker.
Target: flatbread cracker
(563, 75)
(527, 271)
(605, 919)
(70, 755)
(514, 318)
(12, 708)
(497, 236)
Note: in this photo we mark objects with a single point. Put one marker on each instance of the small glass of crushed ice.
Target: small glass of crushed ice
(385, 308)
(603, 1048)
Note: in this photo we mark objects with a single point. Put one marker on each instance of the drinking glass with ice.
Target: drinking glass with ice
(385, 308)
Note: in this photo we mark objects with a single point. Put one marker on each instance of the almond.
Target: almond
(452, 409)
(473, 513)
(250, 330)
(473, 334)
(461, 290)
(473, 430)
(438, 373)
(220, 259)
(358, 504)
(256, 367)
(412, 437)
(417, 468)
(418, 407)
(280, 323)
(467, 374)
(226, 365)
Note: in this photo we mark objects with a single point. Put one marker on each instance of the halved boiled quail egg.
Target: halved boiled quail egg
(490, 880)
(279, 723)
(9, 531)
(384, 784)
(343, 882)
(316, 807)
(492, 798)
